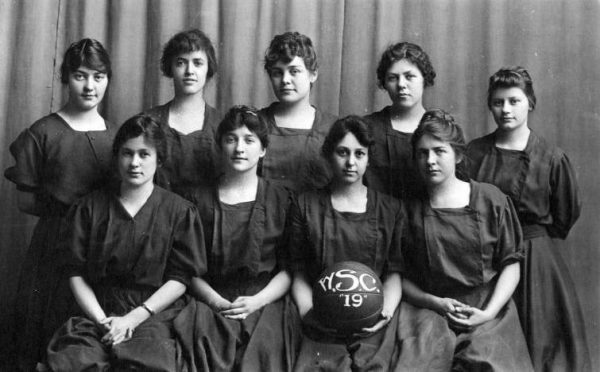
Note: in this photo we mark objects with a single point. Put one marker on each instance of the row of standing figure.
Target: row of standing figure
(340, 205)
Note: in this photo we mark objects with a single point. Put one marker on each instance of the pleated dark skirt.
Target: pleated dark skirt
(76, 345)
(549, 309)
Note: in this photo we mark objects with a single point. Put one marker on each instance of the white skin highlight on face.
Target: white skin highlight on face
(510, 108)
(404, 84)
(241, 149)
(189, 72)
(291, 82)
(137, 162)
(349, 160)
(436, 160)
(86, 88)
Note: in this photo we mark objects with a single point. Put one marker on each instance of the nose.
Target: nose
(401, 81)
(351, 160)
(136, 160)
(431, 158)
(287, 77)
(188, 68)
(239, 146)
(506, 107)
(89, 83)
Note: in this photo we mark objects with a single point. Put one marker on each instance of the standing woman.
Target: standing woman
(237, 322)
(346, 221)
(134, 249)
(404, 71)
(462, 253)
(541, 182)
(188, 121)
(60, 158)
(296, 129)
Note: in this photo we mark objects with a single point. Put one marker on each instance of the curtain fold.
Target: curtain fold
(558, 41)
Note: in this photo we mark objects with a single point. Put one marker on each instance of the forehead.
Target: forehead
(86, 70)
(350, 141)
(241, 131)
(508, 92)
(138, 143)
(196, 54)
(430, 142)
(403, 66)
(295, 62)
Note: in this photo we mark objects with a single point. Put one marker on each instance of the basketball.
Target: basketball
(348, 296)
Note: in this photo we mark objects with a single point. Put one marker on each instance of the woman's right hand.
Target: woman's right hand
(446, 305)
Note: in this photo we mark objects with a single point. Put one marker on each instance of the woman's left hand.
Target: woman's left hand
(242, 307)
(465, 318)
(120, 328)
(385, 318)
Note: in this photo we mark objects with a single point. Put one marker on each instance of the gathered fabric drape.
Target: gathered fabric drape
(558, 41)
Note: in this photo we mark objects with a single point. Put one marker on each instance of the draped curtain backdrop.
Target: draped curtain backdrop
(467, 40)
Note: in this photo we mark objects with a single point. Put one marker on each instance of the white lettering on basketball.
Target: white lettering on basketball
(364, 281)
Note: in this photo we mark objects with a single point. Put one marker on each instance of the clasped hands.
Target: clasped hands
(462, 317)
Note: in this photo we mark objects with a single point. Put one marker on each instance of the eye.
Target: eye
(497, 103)
(275, 73)
(410, 76)
(295, 71)
(99, 77)
(250, 139)
(179, 62)
(341, 151)
(360, 154)
(229, 139)
(198, 62)
(78, 76)
(514, 101)
(391, 78)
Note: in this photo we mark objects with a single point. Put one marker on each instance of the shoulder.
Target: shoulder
(540, 147)
(313, 199)
(323, 120)
(160, 112)
(488, 196)
(212, 117)
(481, 144)
(378, 116)
(385, 201)
(50, 125)
(171, 202)
(274, 190)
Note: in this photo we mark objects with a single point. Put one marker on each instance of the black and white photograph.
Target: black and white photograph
(300, 185)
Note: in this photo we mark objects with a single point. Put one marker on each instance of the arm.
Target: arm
(420, 298)
(246, 305)
(86, 299)
(205, 293)
(27, 203)
(392, 293)
(121, 327)
(505, 286)
(302, 293)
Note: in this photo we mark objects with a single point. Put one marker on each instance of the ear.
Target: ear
(460, 158)
(263, 152)
(313, 76)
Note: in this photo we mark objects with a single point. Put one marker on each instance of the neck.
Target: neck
(442, 191)
(293, 109)
(136, 193)
(233, 179)
(414, 113)
(188, 103)
(350, 190)
(76, 114)
(514, 139)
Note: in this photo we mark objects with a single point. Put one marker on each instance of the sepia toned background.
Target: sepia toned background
(467, 40)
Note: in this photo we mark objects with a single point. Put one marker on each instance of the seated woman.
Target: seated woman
(134, 251)
(346, 222)
(296, 128)
(462, 253)
(238, 322)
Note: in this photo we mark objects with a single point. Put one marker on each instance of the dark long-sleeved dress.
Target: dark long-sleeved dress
(294, 156)
(58, 165)
(246, 247)
(192, 159)
(125, 260)
(542, 185)
(391, 166)
(459, 253)
(322, 236)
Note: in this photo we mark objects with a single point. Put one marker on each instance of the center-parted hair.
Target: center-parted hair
(441, 125)
(288, 45)
(141, 125)
(243, 116)
(512, 77)
(410, 52)
(187, 42)
(350, 124)
(88, 53)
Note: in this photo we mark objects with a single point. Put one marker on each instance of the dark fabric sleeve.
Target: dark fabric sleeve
(565, 205)
(509, 246)
(187, 257)
(29, 160)
(395, 259)
(298, 239)
(77, 227)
